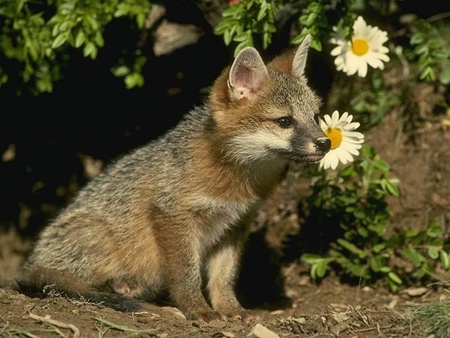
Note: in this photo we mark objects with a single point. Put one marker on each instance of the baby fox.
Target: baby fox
(172, 216)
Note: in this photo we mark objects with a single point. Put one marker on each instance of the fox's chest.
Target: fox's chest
(216, 216)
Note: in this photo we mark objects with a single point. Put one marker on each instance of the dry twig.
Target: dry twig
(47, 319)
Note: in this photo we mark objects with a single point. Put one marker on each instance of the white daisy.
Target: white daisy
(366, 48)
(345, 141)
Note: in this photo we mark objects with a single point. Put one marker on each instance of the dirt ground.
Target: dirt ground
(278, 292)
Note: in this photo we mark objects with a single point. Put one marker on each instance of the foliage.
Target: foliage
(36, 37)
(431, 52)
(246, 19)
(354, 199)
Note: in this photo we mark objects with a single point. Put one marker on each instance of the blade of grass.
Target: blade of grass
(124, 328)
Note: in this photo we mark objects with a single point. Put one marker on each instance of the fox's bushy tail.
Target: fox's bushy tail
(45, 282)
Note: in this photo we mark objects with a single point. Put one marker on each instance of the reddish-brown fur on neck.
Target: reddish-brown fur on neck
(219, 97)
(283, 62)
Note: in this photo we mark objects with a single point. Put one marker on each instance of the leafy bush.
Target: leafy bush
(37, 36)
(354, 199)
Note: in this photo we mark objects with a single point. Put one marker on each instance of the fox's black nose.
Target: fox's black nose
(323, 144)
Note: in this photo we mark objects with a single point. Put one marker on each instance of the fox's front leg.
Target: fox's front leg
(223, 269)
(182, 259)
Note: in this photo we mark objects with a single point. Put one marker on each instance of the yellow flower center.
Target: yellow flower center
(335, 136)
(360, 47)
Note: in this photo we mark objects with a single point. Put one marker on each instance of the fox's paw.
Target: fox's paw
(245, 316)
(207, 315)
(232, 311)
(127, 287)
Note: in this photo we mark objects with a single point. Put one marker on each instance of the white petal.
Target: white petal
(353, 125)
(362, 70)
(359, 25)
(383, 57)
(330, 159)
(344, 156)
(323, 164)
(336, 51)
(353, 134)
(335, 117)
(349, 119)
(353, 151)
(340, 66)
(374, 62)
(344, 117)
(352, 64)
(334, 161)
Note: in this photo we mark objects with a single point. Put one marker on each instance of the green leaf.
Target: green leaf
(316, 44)
(422, 50)
(444, 75)
(358, 270)
(312, 272)
(427, 74)
(433, 252)
(360, 214)
(321, 268)
(375, 263)
(91, 21)
(134, 80)
(363, 232)
(310, 19)
(440, 54)
(242, 37)
(395, 278)
(412, 233)
(98, 39)
(418, 38)
(262, 13)
(311, 258)
(385, 269)
(379, 247)
(434, 230)
(121, 71)
(347, 171)
(59, 41)
(140, 20)
(227, 37)
(55, 30)
(378, 228)
(351, 247)
(413, 255)
(444, 259)
(90, 50)
(65, 26)
(80, 39)
(392, 286)
(122, 10)
(32, 50)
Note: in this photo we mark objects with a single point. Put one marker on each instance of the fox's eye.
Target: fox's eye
(284, 122)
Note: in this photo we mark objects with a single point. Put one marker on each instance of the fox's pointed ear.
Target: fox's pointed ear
(247, 74)
(299, 62)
